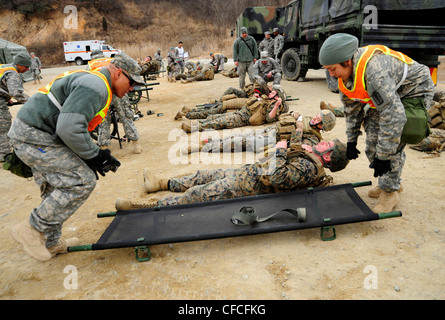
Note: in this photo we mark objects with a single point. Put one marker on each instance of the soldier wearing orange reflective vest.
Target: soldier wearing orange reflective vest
(121, 106)
(11, 86)
(51, 134)
(389, 82)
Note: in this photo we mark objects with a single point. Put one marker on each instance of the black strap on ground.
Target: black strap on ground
(247, 215)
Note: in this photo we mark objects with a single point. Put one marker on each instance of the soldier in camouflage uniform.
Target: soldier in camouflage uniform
(390, 78)
(288, 169)
(217, 107)
(51, 134)
(257, 110)
(11, 86)
(121, 106)
(278, 44)
(36, 66)
(265, 70)
(218, 61)
(206, 73)
(245, 54)
(173, 67)
(267, 44)
(232, 73)
(265, 139)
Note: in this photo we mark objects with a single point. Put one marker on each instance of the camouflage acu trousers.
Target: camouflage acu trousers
(210, 185)
(122, 108)
(64, 179)
(205, 112)
(390, 181)
(229, 120)
(244, 67)
(5, 124)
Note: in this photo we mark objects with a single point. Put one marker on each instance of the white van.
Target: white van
(80, 51)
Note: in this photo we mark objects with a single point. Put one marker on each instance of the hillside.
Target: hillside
(139, 27)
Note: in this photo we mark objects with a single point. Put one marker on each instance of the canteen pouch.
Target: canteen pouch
(416, 128)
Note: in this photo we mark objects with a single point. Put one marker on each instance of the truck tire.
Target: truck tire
(78, 61)
(332, 82)
(290, 64)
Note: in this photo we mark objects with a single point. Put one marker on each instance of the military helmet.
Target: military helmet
(280, 91)
(328, 119)
(339, 161)
(95, 54)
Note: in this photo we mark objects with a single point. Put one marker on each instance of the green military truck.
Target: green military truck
(416, 28)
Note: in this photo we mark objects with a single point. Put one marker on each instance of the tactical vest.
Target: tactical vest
(285, 126)
(100, 116)
(97, 64)
(358, 92)
(293, 152)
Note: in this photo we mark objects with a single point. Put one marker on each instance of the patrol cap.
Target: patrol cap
(328, 119)
(125, 62)
(264, 55)
(243, 30)
(275, 30)
(22, 59)
(266, 32)
(339, 161)
(338, 48)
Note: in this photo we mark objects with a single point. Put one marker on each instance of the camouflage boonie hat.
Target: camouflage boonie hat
(125, 62)
(339, 161)
(328, 119)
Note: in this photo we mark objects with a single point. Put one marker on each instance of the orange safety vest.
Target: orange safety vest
(4, 68)
(97, 64)
(100, 116)
(358, 92)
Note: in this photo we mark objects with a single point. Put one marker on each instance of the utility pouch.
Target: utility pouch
(416, 128)
(16, 166)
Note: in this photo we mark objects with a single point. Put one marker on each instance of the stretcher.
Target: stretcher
(309, 208)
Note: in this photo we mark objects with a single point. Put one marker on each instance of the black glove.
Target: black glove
(351, 151)
(380, 167)
(103, 163)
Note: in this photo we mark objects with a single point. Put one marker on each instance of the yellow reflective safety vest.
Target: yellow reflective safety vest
(97, 64)
(100, 116)
(4, 68)
(358, 91)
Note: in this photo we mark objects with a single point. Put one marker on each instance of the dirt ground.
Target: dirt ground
(398, 258)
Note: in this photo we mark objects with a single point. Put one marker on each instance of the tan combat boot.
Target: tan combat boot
(126, 204)
(387, 202)
(182, 113)
(153, 184)
(326, 106)
(376, 191)
(193, 147)
(31, 240)
(136, 147)
(62, 246)
(187, 125)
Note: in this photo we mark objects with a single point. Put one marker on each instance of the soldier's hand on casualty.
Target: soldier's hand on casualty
(380, 167)
(351, 151)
